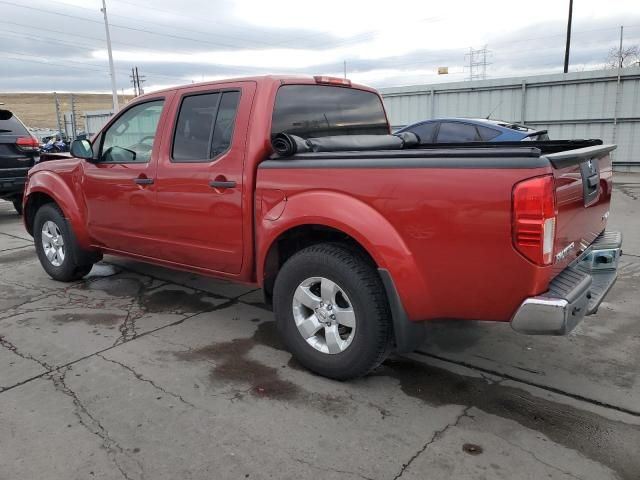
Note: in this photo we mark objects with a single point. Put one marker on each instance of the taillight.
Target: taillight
(534, 219)
(27, 144)
(332, 80)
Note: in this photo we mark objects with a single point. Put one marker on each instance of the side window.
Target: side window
(456, 132)
(130, 138)
(487, 133)
(425, 131)
(225, 121)
(205, 126)
(195, 125)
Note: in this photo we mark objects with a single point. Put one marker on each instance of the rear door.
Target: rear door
(200, 179)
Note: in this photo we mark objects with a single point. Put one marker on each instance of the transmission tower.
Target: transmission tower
(477, 63)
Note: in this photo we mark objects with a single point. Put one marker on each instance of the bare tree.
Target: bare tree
(628, 57)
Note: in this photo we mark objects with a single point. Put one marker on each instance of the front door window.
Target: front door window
(130, 138)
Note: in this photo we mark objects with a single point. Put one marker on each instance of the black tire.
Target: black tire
(360, 281)
(17, 204)
(77, 262)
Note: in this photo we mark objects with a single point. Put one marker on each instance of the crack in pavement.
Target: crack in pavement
(506, 376)
(11, 347)
(66, 365)
(29, 240)
(93, 425)
(142, 378)
(538, 459)
(435, 437)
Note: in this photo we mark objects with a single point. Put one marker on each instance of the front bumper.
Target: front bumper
(576, 292)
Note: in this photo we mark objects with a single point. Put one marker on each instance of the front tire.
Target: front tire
(332, 311)
(57, 247)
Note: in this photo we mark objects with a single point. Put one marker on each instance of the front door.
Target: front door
(119, 185)
(200, 179)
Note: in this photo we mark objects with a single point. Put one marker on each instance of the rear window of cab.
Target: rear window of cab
(322, 110)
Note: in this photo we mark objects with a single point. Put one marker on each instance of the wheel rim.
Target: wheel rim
(53, 243)
(324, 315)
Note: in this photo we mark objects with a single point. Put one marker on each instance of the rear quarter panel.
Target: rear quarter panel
(448, 245)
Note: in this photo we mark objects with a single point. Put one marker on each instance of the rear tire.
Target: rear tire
(57, 247)
(332, 311)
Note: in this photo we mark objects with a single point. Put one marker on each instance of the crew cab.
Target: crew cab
(356, 236)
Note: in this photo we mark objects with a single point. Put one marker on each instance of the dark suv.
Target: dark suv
(19, 151)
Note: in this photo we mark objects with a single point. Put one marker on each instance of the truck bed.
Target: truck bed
(452, 209)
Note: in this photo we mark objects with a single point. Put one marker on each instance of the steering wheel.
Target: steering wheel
(141, 146)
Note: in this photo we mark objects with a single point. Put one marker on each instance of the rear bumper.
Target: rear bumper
(575, 293)
(11, 186)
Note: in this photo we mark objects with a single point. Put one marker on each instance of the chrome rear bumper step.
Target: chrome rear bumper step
(575, 292)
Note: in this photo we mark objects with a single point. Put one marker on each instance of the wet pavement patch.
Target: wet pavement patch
(167, 300)
(94, 319)
(116, 287)
(234, 366)
(17, 256)
(609, 442)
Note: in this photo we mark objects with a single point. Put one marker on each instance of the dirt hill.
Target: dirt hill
(38, 109)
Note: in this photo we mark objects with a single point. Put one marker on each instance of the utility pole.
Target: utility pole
(114, 90)
(55, 99)
(566, 50)
(616, 106)
(139, 82)
(134, 82)
(345, 69)
(74, 126)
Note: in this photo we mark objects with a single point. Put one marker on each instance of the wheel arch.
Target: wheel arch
(47, 187)
(345, 219)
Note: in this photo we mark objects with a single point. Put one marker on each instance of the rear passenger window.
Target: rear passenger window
(205, 126)
(425, 131)
(487, 133)
(454, 132)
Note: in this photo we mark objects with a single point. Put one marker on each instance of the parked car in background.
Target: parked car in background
(464, 130)
(19, 151)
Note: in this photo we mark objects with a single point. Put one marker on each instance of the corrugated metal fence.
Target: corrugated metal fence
(592, 104)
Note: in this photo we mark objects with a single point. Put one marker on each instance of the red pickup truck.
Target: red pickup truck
(355, 249)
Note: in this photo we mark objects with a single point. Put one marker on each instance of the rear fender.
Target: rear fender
(55, 187)
(362, 223)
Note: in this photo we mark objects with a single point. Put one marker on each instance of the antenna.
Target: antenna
(494, 110)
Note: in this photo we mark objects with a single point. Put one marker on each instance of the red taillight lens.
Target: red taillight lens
(534, 219)
(27, 144)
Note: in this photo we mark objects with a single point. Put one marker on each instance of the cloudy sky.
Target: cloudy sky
(60, 44)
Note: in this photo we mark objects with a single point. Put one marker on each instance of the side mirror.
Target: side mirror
(82, 149)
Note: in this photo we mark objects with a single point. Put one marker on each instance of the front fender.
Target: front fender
(362, 223)
(54, 186)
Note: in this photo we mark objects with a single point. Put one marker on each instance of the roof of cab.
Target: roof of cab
(282, 79)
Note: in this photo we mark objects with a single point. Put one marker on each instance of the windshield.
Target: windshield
(321, 110)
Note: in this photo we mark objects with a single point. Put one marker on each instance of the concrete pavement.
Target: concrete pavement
(142, 372)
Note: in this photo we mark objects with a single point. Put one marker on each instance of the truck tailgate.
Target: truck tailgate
(583, 179)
